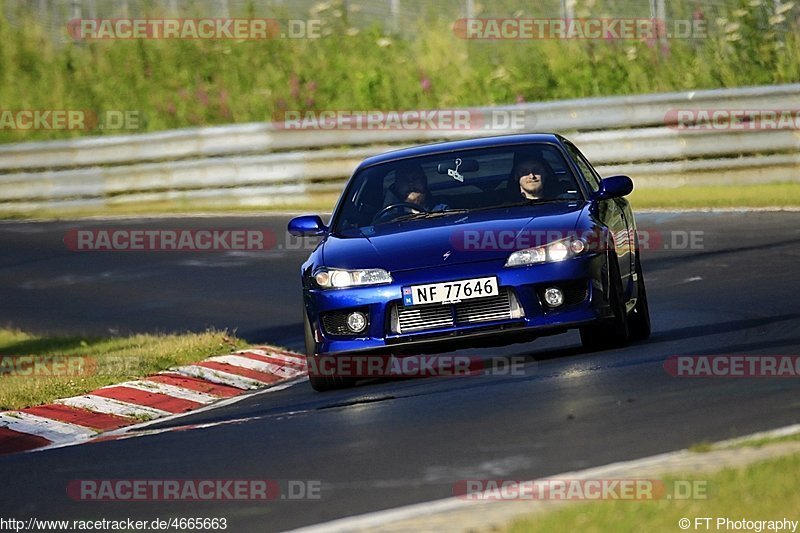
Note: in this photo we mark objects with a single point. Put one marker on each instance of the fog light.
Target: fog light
(356, 321)
(553, 297)
(577, 246)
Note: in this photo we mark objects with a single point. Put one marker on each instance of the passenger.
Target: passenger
(531, 176)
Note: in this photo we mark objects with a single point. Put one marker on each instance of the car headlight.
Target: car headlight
(340, 279)
(548, 253)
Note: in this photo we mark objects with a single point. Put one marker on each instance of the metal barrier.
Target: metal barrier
(261, 163)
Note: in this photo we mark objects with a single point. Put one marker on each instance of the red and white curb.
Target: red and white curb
(169, 393)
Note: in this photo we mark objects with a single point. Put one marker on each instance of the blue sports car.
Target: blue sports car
(473, 243)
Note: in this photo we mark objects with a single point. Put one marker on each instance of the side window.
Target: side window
(556, 162)
(585, 169)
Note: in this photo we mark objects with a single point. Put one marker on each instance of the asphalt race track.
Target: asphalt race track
(391, 443)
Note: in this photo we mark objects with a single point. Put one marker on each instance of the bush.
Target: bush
(180, 83)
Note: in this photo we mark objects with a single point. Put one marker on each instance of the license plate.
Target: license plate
(450, 291)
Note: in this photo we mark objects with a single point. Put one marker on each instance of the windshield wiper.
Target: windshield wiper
(435, 214)
(431, 214)
(516, 204)
(537, 202)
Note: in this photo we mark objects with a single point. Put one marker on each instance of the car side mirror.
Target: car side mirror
(614, 187)
(307, 226)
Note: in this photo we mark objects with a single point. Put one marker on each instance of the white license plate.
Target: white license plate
(449, 291)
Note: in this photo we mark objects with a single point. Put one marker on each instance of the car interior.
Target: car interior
(486, 180)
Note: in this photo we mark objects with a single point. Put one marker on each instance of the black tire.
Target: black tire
(320, 383)
(640, 317)
(616, 331)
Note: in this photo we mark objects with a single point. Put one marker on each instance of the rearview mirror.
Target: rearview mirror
(307, 226)
(459, 165)
(614, 187)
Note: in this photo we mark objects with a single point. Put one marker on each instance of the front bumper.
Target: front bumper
(525, 283)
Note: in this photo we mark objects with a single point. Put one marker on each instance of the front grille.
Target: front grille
(575, 293)
(424, 317)
(504, 306)
(335, 323)
(484, 309)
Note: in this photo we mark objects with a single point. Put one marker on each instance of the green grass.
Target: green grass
(105, 360)
(692, 197)
(706, 446)
(181, 83)
(758, 443)
(323, 204)
(766, 490)
(719, 196)
(701, 447)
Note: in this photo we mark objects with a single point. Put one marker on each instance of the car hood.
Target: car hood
(451, 239)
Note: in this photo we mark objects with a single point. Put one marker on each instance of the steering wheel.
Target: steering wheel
(399, 205)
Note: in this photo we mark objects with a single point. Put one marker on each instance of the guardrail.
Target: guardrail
(261, 163)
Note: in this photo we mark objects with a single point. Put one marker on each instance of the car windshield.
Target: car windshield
(459, 182)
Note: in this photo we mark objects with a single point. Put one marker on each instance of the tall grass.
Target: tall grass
(180, 83)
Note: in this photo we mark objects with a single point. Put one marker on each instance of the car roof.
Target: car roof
(466, 144)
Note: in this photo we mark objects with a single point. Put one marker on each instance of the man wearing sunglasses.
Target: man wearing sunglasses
(531, 175)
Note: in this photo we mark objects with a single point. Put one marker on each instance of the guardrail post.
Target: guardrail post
(567, 9)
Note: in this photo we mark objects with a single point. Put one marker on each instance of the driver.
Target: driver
(410, 186)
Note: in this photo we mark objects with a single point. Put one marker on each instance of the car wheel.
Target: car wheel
(318, 382)
(640, 318)
(615, 332)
